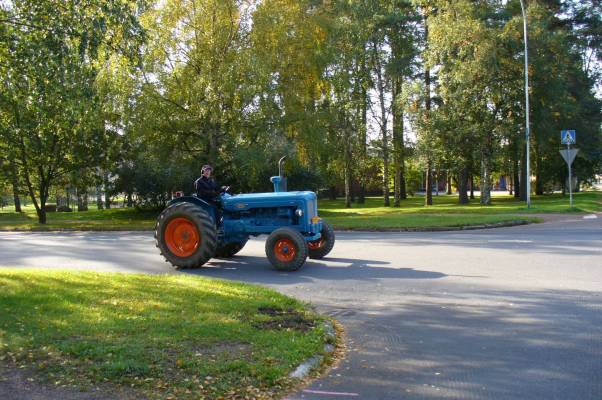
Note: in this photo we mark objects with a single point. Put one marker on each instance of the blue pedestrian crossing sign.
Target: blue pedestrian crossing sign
(568, 137)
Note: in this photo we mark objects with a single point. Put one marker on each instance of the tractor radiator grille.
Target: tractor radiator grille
(312, 208)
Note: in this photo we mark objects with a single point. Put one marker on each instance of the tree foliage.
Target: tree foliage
(135, 96)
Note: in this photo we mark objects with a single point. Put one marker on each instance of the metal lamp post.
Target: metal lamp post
(528, 177)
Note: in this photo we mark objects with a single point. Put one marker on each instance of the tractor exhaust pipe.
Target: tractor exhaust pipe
(280, 164)
(279, 181)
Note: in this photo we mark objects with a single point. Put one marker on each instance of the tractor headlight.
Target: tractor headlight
(299, 212)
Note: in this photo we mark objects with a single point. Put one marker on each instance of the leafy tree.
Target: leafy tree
(50, 51)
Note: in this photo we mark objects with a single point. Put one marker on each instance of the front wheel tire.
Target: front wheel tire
(286, 249)
(321, 247)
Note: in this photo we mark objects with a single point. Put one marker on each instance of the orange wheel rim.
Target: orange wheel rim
(285, 250)
(182, 237)
(316, 244)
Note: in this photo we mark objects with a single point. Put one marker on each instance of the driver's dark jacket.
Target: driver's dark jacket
(206, 188)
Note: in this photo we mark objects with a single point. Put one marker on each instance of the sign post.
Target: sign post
(569, 137)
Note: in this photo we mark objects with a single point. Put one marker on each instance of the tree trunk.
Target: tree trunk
(523, 175)
(362, 136)
(44, 187)
(398, 146)
(347, 161)
(41, 213)
(381, 86)
(463, 185)
(107, 190)
(385, 149)
(99, 202)
(398, 142)
(42, 217)
(449, 183)
(538, 183)
(130, 203)
(15, 184)
(347, 186)
(485, 178)
(428, 201)
(82, 200)
(471, 186)
(428, 186)
(516, 176)
(332, 193)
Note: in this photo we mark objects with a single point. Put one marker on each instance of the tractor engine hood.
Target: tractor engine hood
(243, 202)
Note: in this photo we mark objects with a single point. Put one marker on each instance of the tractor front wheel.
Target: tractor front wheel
(286, 249)
(185, 235)
(321, 247)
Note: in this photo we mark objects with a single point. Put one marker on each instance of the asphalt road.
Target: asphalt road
(510, 313)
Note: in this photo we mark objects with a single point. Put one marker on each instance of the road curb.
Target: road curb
(304, 369)
(441, 228)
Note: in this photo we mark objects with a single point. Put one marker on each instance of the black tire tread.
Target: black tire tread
(330, 239)
(299, 242)
(204, 224)
(229, 249)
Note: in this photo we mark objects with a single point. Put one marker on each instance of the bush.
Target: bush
(50, 208)
(64, 209)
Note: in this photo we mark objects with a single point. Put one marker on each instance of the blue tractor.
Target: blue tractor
(190, 231)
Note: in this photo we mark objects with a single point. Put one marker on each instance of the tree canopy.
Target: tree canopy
(364, 97)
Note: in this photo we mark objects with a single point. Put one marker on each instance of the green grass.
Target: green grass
(412, 214)
(421, 221)
(114, 219)
(504, 204)
(446, 212)
(161, 336)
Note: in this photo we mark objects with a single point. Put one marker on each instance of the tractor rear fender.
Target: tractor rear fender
(209, 208)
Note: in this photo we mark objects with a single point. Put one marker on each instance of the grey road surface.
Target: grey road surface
(511, 313)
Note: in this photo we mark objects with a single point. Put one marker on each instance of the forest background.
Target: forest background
(129, 98)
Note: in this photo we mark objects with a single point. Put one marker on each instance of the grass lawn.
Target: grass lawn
(169, 336)
(445, 212)
(113, 219)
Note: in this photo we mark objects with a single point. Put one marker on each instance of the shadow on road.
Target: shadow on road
(259, 270)
(474, 344)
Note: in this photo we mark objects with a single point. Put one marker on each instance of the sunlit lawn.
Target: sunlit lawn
(164, 335)
(502, 204)
(445, 212)
(112, 219)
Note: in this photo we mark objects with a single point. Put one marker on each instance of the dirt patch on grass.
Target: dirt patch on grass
(284, 319)
(23, 384)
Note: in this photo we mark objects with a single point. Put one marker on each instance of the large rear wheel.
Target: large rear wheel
(185, 235)
(321, 247)
(286, 249)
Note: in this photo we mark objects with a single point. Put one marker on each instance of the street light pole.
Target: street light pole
(528, 175)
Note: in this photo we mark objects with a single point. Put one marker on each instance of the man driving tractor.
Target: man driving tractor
(205, 186)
